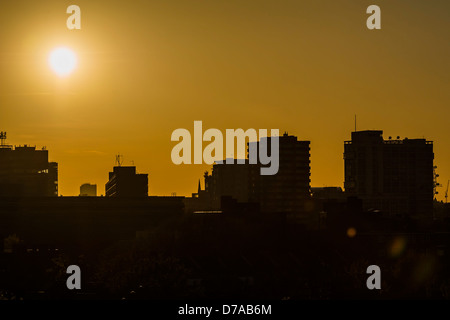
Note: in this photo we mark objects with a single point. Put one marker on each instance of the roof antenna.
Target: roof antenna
(2, 138)
(119, 160)
(355, 122)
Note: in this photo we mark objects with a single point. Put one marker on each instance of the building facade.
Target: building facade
(88, 190)
(286, 191)
(125, 182)
(289, 189)
(393, 176)
(26, 172)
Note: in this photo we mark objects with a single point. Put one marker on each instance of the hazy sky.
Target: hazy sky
(147, 68)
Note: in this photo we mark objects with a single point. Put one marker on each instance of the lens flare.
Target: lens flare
(351, 232)
(397, 247)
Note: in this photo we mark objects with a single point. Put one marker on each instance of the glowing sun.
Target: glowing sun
(62, 61)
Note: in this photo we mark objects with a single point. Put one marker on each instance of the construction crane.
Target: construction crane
(446, 191)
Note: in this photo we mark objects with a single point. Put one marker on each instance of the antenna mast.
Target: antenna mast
(119, 160)
(3, 140)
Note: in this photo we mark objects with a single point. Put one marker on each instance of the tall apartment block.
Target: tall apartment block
(26, 172)
(394, 176)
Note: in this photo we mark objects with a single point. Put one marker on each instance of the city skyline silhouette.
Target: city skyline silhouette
(244, 235)
(302, 67)
(436, 181)
(352, 188)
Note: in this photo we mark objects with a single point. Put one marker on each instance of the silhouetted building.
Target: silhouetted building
(394, 176)
(327, 193)
(289, 189)
(125, 182)
(201, 200)
(286, 191)
(82, 222)
(53, 179)
(88, 190)
(25, 171)
(235, 180)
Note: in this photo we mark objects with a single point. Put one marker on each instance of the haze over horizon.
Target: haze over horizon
(149, 68)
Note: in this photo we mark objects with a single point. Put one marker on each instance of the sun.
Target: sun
(62, 61)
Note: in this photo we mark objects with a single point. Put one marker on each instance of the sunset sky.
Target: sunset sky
(146, 68)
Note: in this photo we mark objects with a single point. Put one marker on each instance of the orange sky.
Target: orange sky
(147, 68)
